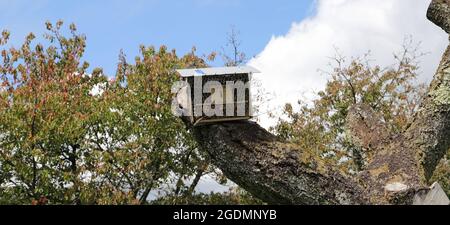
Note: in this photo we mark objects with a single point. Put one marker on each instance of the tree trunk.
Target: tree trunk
(282, 173)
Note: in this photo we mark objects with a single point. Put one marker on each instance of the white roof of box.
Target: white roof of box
(217, 71)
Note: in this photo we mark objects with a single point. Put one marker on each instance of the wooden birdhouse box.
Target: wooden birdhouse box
(211, 95)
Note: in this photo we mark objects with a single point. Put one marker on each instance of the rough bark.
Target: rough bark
(282, 173)
(276, 172)
(439, 12)
(366, 127)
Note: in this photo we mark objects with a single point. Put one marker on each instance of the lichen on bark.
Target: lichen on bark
(439, 12)
(441, 96)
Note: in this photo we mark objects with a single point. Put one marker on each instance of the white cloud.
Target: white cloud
(289, 63)
(98, 89)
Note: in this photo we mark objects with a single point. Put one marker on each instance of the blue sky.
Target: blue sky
(180, 24)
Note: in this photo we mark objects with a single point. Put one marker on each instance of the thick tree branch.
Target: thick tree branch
(439, 12)
(431, 127)
(276, 172)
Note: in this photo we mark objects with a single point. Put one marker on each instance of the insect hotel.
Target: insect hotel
(211, 95)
